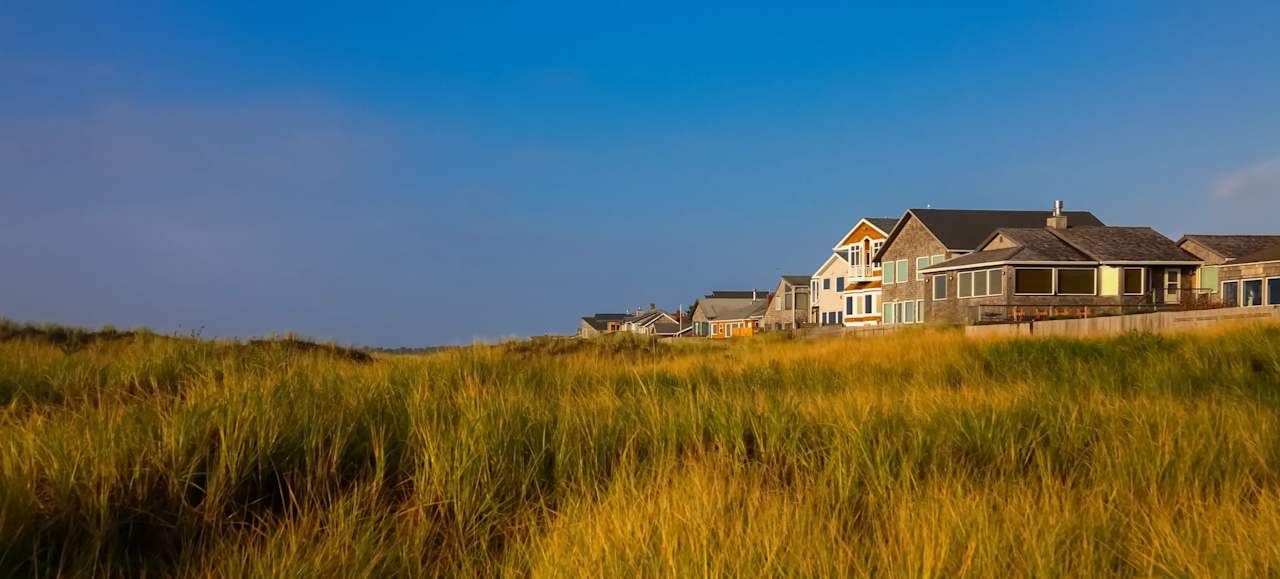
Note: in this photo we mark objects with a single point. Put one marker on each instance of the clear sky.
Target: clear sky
(415, 176)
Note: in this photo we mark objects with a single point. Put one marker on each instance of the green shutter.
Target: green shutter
(1209, 278)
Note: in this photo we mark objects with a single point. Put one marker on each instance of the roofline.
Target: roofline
(824, 264)
(855, 228)
(1053, 262)
(1230, 263)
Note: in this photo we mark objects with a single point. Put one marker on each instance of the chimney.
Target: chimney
(1057, 220)
(653, 307)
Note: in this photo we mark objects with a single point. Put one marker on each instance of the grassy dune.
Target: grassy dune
(917, 454)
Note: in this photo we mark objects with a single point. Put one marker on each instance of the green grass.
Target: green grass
(915, 454)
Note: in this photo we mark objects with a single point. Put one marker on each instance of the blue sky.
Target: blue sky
(436, 174)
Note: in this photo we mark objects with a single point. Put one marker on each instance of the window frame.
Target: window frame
(1057, 291)
(919, 311)
(840, 285)
(933, 288)
(1053, 281)
(998, 272)
(1262, 290)
(1267, 298)
(1142, 281)
(848, 305)
(921, 265)
(887, 313)
(960, 293)
(826, 284)
(903, 273)
(1235, 295)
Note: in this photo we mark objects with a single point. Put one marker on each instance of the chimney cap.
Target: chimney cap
(1057, 207)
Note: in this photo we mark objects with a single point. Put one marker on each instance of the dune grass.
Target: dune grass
(911, 455)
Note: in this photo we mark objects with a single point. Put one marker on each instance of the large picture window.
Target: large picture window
(940, 287)
(1231, 293)
(964, 284)
(1252, 292)
(1133, 281)
(1033, 281)
(1273, 291)
(1077, 282)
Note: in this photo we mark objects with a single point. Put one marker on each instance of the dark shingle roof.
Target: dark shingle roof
(1271, 253)
(1123, 244)
(1233, 246)
(733, 308)
(965, 229)
(801, 280)
(1088, 243)
(884, 224)
(601, 321)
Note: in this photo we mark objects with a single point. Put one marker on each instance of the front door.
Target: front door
(1172, 285)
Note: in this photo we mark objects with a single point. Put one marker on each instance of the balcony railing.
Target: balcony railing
(863, 272)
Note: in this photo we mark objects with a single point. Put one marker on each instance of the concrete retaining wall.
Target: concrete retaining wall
(1157, 323)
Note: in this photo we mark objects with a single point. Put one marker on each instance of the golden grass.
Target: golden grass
(911, 455)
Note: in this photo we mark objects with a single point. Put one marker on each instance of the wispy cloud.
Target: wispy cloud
(1257, 180)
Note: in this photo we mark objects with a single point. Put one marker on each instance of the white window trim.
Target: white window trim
(906, 265)
(933, 287)
(919, 311)
(1052, 286)
(1000, 272)
(1262, 295)
(919, 270)
(986, 272)
(1055, 280)
(960, 285)
(1143, 284)
(1266, 290)
(1223, 291)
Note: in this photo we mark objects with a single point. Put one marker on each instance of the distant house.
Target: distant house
(788, 307)
(827, 288)
(1058, 270)
(656, 322)
(1217, 250)
(926, 237)
(594, 325)
(860, 295)
(1252, 279)
(722, 315)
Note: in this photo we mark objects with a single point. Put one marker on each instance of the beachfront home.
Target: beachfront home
(591, 326)
(827, 288)
(789, 306)
(1252, 279)
(860, 295)
(926, 237)
(1217, 250)
(1060, 270)
(721, 315)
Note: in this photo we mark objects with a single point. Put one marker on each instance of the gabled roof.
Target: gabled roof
(797, 280)
(883, 224)
(652, 317)
(966, 229)
(827, 263)
(732, 308)
(1271, 253)
(1079, 245)
(1231, 247)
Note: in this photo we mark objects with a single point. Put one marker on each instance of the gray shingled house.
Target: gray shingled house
(1252, 279)
(1060, 270)
(925, 237)
(1218, 250)
(590, 326)
(729, 314)
(788, 309)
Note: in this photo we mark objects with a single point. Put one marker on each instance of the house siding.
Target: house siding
(1249, 271)
(792, 318)
(912, 241)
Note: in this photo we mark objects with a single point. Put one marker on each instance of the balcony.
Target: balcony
(863, 272)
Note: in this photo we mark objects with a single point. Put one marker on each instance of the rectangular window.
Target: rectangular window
(867, 304)
(909, 313)
(1273, 291)
(887, 274)
(995, 282)
(1252, 294)
(840, 284)
(921, 263)
(937, 259)
(919, 311)
(979, 283)
(848, 305)
(897, 311)
(888, 313)
(1033, 281)
(964, 284)
(826, 283)
(1231, 293)
(940, 287)
(1077, 282)
(903, 275)
(1133, 281)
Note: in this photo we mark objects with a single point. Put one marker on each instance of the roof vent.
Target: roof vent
(1057, 220)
